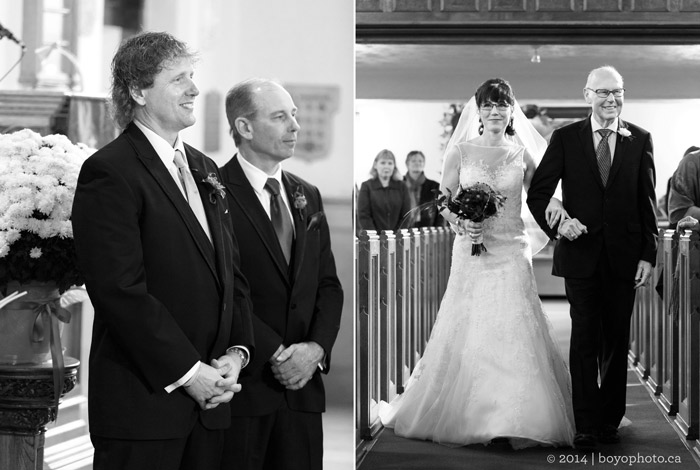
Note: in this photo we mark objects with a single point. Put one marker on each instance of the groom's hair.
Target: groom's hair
(135, 66)
(240, 102)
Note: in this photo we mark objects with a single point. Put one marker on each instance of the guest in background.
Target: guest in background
(682, 196)
(383, 199)
(154, 239)
(421, 192)
(540, 120)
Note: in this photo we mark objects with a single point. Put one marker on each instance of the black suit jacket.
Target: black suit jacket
(164, 297)
(620, 216)
(304, 304)
(382, 208)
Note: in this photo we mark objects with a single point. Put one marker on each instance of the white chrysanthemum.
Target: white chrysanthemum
(38, 175)
(35, 253)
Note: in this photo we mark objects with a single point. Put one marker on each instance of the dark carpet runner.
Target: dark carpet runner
(648, 443)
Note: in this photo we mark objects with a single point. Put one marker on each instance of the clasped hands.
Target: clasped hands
(294, 366)
(215, 384)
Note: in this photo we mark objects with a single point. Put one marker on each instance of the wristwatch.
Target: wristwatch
(241, 353)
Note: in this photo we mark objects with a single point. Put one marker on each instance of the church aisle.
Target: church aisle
(647, 442)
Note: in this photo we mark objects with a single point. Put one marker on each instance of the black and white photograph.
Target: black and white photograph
(527, 230)
(349, 235)
(176, 235)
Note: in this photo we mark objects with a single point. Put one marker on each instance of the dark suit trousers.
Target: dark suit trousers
(201, 450)
(601, 308)
(283, 440)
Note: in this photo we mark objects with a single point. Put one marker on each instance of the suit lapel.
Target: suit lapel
(148, 156)
(586, 135)
(299, 215)
(213, 212)
(620, 147)
(246, 199)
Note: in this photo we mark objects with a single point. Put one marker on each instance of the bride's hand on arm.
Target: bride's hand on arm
(555, 213)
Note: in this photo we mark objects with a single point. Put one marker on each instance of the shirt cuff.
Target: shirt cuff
(322, 364)
(184, 379)
(245, 354)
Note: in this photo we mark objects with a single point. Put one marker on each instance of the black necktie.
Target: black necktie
(280, 218)
(603, 154)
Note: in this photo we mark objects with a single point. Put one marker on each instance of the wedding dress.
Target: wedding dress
(491, 367)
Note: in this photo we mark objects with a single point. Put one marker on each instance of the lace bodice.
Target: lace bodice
(502, 168)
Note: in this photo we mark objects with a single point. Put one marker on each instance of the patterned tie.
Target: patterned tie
(280, 218)
(603, 154)
(190, 191)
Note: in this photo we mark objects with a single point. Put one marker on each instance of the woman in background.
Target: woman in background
(383, 199)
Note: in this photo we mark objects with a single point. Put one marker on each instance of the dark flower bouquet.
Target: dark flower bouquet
(477, 203)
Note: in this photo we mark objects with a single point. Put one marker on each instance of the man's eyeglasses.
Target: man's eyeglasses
(488, 106)
(603, 93)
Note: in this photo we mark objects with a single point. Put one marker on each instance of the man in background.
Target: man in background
(423, 192)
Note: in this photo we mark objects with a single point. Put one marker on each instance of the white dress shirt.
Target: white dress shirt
(257, 179)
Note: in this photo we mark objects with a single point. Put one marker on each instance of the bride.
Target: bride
(491, 368)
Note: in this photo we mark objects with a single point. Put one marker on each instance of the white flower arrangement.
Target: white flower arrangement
(38, 176)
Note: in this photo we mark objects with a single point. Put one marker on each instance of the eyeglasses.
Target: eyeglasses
(488, 106)
(603, 93)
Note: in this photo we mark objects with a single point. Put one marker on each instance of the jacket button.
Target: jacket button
(294, 306)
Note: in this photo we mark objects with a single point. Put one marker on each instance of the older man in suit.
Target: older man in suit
(155, 241)
(297, 298)
(605, 250)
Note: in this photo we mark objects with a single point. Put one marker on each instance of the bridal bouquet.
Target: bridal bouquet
(38, 176)
(476, 203)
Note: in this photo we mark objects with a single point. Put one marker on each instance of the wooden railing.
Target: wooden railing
(400, 281)
(665, 335)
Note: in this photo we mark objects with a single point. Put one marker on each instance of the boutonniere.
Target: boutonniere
(215, 187)
(300, 200)
(625, 133)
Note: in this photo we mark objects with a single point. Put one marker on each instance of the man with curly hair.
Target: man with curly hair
(172, 326)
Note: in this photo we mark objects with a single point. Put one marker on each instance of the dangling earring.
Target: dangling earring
(510, 127)
(481, 127)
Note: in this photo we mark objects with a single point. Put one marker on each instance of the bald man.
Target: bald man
(605, 250)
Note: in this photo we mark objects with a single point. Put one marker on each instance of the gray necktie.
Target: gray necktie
(190, 190)
(280, 218)
(603, 154)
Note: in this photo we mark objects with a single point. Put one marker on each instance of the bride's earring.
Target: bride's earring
(510, 129)
(481, 127)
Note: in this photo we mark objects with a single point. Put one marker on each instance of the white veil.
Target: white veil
(526, 135)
